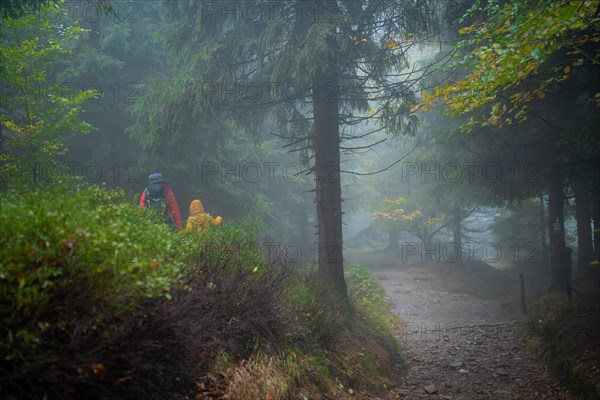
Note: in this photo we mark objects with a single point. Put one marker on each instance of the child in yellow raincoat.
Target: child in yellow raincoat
(200, 221)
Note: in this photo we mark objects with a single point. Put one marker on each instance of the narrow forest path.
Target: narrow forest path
(463, 346)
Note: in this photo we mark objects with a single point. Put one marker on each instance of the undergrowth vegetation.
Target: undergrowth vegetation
(77, 264)
(99, 300)
(566, 333)
(368, 297)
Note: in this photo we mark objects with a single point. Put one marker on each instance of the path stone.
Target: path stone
(430, 389)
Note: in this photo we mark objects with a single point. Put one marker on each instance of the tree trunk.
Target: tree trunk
(303, 234)
(596, 218)
(585, 247)
(327, 168)
(558, 267)
(428, 250)
(393, 240)
(457, 235)
(544, 245)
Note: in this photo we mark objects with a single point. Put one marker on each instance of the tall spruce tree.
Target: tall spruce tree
(314, 67)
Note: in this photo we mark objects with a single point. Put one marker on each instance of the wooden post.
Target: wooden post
(523, 302)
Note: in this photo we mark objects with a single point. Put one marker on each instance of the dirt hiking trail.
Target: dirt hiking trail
(463, 335)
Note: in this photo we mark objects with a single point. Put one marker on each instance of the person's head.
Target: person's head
(196, 207)
(156, 177)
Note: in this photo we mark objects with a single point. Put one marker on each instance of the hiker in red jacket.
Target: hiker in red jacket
(159, 196)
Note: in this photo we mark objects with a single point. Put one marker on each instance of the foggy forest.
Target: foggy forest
(300, 200)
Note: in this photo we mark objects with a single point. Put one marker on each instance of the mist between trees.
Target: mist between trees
(115, 91)
(440, 135)
(363, 125)
(130, 12)
(129, 172)
(415, 252)
(289, 253)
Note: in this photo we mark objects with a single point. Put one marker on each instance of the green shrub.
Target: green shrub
(98, 299)
(76, 260)
(233, 245)
(368, 297)
(316, 314)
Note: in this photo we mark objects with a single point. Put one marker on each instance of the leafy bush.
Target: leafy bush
(238, 310)
(75, 261)
(164, 353)
(98, 300)
(316, 316)
(233, 245)
(368, 297)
